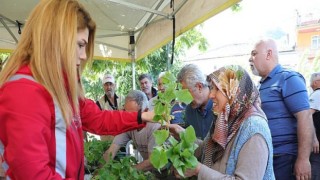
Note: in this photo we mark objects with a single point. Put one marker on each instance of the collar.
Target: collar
(25, 70)
(274, 71)
(207, 108)
(113, 106)
(154, 92)
(115, 96)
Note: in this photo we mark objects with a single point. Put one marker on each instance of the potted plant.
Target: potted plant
(169, 151)
(93, 151)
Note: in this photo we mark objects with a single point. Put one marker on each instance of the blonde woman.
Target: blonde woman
(42, 107)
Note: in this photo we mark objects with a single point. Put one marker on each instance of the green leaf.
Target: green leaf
(186, 153)
(169, 77)
(194, 147)
(169, 95)
(172, 141)
(169, 153)
(184, 96)
(159, 109)
(171, 87)
(157, 117)
(190, 135)
(180, 171)
(158, 158)
(177, 149)
(161, 136)
(175, 159)
(193, 161)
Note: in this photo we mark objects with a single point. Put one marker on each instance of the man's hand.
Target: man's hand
(302, 169)
(315, 145)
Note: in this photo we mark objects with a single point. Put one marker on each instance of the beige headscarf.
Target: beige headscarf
(243, 101)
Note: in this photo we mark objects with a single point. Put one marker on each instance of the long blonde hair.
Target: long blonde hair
(48, 45)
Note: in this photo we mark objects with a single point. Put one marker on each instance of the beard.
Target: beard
(197, 104)
(254, 71)
(109, 93)
(194, 104)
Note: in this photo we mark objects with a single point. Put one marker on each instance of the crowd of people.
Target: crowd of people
(244, 131)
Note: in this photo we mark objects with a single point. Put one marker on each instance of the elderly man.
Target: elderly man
(146, 85)
(285, 101)
(314, 100)
(178, 108)
(110, 100)
(143, 139)
(199, 112)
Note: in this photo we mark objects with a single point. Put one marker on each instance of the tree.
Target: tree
(154, 63)
(3, 58)
(308, 66)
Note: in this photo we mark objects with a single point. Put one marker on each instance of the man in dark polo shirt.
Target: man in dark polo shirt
(199, 112)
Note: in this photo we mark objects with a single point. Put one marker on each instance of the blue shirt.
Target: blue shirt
(283, 93)
(201, 121)
(177, 111)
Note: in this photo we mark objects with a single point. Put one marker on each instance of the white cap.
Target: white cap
(108, 78)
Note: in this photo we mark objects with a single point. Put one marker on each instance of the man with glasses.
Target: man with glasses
(285, 101)
(199, 112)
(314, 100)
(143, 139)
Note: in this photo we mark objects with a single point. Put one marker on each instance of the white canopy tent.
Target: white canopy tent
(127, 30)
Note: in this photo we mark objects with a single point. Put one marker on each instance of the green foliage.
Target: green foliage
(308, 66)
(163, 104)
(236, 7)
(3, 58)
(122, 170)
(179, 154)
(93, 151)
(154, 63)
(113, 170)
(93, 84)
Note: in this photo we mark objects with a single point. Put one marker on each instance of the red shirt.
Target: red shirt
(37, 144)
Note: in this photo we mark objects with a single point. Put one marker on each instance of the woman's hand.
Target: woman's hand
(175, 130)
(147, 116)
(189, 172)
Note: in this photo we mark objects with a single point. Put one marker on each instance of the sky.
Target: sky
(256, 18)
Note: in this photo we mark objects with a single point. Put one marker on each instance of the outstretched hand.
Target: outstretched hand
(147, 116)
(189, 172)
(175, 130)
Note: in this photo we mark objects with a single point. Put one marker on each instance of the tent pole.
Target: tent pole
(8, 29)
(133, 65)
(168, 56)
(132, 53)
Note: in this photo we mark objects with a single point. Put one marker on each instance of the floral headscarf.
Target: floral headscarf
(243, 101)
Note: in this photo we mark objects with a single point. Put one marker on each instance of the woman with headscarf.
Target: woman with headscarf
(238, 145)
